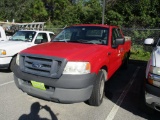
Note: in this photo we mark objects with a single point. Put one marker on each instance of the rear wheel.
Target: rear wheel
(125, 63)
(98, 90)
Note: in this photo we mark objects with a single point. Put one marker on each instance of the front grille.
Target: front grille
(42, 65)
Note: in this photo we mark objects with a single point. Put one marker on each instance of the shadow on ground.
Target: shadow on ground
(134, 99)
(35, 109)
(5, 71)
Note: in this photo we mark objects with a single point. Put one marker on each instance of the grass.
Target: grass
(139, 57)
(138, 53)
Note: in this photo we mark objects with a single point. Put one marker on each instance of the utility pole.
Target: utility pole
(103, 12)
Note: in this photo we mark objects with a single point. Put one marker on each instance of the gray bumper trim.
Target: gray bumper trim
(58, 94)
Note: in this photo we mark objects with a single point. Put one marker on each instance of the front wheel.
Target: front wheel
(143, 103)
(12, 64)
(98, 89)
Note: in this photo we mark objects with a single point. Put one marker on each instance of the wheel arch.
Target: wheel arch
(105, 70)
(12, 61)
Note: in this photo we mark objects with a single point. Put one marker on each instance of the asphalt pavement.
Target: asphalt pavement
(122, 101)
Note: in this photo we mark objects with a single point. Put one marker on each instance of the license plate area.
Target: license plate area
(38, 85)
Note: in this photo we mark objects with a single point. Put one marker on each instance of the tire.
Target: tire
(143, 103)
(12, 64)
(98, 89)
(147, 109)
(125, 63)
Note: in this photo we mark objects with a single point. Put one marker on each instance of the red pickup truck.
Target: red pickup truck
(74, 66)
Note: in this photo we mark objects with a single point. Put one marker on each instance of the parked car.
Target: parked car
(152, 82)
(21, 40)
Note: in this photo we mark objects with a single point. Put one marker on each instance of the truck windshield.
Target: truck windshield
(84, 34)
(26, 36)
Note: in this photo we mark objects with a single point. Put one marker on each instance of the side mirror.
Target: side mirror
(10, 38)
(149, 42)
(38, 41)
(118, 41)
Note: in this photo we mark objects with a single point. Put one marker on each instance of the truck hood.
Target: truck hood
(157, 56)
(70, 51)
(13, 47)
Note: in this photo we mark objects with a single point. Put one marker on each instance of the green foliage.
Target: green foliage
(141, 34)
(133, 14)
(92, 12)
(114, 18)
(23, 10)
(125, 13)
(139, 13)
(139, 53)
(13, 9)
(138, 50)
(38, 11)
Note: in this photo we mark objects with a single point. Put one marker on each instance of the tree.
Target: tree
(126, 13)
(38, 11)
(139, 13)
(22, 10)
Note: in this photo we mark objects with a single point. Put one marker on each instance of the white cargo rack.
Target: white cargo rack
(13, 27)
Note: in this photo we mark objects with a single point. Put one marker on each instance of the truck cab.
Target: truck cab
(3, 36)
(21, 40)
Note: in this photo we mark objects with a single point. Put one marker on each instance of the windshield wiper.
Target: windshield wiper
(28, 40)
(83, 41)
(57, 41)
(79, 41)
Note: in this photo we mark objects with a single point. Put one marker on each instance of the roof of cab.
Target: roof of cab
(99, 25)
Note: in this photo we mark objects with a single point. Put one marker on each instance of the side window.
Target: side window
(51, 36)
(119, 33)
(41, 38)
(115, 34)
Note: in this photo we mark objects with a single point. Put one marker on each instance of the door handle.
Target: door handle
(109, 53)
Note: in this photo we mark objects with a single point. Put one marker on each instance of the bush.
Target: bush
(138, 53)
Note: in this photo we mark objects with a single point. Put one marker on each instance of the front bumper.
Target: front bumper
(5, 62)
(4, 66)
(66, 89)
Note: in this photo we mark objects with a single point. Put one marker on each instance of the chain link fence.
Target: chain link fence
(139, 35)
(55, 30)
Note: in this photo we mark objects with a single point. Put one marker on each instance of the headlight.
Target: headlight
(154, 80)
(17, 59)
(2, 52)
(77, 68)
(154, 70)
(153, 76)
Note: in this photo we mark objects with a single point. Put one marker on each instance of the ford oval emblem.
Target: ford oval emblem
(37, 65)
